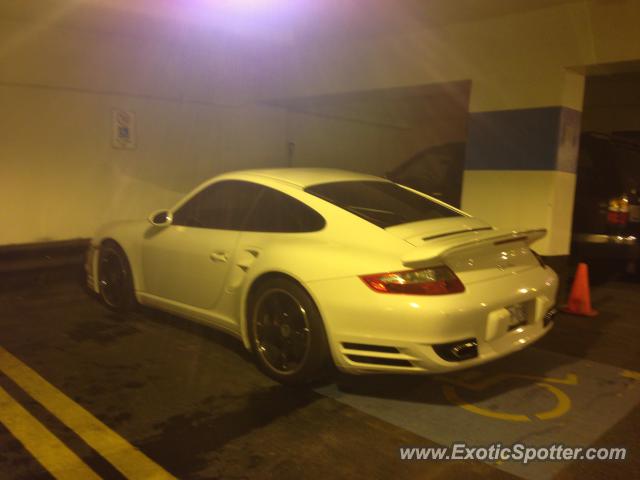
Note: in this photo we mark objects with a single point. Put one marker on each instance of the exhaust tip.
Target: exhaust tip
(457, 351)
(549, 316)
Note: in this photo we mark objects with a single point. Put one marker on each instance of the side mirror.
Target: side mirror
(160, 218)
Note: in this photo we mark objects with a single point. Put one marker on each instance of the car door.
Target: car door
(275, 219)
(188, 261)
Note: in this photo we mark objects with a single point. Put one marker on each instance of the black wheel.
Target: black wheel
(287, 333)
(114, 274)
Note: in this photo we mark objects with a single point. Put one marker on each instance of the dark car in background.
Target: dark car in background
(606, 218)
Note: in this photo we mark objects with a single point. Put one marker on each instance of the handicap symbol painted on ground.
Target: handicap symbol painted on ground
(540, 396)
(452, 383)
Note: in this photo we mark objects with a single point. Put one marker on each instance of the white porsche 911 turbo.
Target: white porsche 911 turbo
(311, 266)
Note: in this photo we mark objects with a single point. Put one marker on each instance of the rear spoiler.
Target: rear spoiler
(454, 244)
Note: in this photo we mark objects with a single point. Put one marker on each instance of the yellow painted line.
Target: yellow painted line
(452, 396)
(50, 452)
(563, 406)
(630, 374)
(130, 461)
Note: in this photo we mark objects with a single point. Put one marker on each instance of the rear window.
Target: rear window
(384, 204)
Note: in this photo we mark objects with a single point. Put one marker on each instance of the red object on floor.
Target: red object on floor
(580, 298)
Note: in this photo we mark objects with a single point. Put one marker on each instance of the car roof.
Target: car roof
(305, 177)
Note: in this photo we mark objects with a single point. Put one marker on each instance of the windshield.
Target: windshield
(384, 204)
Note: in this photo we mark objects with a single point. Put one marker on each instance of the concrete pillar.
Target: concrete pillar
(520, 169)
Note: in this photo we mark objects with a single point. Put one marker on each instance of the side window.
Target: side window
(223, 205)
(277, 212)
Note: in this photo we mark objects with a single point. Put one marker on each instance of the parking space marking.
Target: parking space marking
(452, 396)
(45, 447)
(562, 407)
(130, 461)
(630, 374)
(566, 400)
(563, 402)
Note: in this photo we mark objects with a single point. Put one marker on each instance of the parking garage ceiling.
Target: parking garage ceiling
(279, 18)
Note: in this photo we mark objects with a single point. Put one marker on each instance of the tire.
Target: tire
(115, 279)
(287, 333)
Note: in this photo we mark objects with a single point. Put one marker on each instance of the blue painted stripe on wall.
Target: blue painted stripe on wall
(525, 139)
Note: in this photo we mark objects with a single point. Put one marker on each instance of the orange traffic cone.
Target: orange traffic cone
(580, 298)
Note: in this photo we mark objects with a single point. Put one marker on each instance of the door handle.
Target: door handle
(221, 257)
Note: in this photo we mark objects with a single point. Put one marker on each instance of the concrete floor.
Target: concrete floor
(191, 400)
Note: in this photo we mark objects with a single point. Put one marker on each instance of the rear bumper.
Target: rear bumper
(370, 332)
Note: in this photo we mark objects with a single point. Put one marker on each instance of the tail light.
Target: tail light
(425, 281)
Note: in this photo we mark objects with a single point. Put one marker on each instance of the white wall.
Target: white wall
(198, 100)
(195, 95)
(61, 178)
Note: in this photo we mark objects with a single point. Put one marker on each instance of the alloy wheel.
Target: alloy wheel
(113, 276)
(281, 331)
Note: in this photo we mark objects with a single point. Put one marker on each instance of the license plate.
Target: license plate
(518, 316)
